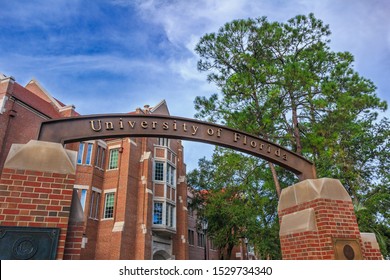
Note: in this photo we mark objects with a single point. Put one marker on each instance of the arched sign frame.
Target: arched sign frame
(90, 127)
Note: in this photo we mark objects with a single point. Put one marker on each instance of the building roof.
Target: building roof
(34, 101)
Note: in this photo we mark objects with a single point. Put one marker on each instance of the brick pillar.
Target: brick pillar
(143, 244)
(36, 187)
(180, 248)
(317, 221)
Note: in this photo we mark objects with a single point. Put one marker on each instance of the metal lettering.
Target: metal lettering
(194, 129)
(144, 124)
(83, 128)
(131, 124)
(109, 126)
(92, 123)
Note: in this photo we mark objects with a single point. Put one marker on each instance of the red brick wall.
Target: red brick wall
(26, 122)
(370, 252)
(73, 241)
(36, 199)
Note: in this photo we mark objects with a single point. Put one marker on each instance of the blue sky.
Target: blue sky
(115, 55)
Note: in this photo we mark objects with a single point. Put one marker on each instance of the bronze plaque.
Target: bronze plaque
(347, 249)
(28, 243)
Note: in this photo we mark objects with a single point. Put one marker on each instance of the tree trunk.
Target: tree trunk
(275, 178)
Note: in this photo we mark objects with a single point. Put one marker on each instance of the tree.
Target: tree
(232, 193)
(282, 82)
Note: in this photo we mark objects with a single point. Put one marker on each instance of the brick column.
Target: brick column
(317, 221)
(36, 188)
(180, 244)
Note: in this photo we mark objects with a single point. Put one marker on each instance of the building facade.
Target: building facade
(132, 191)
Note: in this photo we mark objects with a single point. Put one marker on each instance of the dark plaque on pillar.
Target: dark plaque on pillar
(347, 249)
(28, 243)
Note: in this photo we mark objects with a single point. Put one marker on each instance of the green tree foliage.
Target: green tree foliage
(282, 82)
(232, 193)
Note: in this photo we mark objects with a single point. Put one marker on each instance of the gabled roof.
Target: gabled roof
(35, 87)
(161, 108)
(32, 100)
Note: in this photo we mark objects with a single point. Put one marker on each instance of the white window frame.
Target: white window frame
(106, 194)
(111, 150)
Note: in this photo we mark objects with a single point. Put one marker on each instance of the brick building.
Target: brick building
(132, 191)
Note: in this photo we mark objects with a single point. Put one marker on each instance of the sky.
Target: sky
(112, 56)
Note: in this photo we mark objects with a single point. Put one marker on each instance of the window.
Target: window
(109, 206)
(100, 157)
(201, 239)
(89, 154)
(191, 237)
(88, 147)
(170, 174)
(80, 154)
(163, 142)
(158, 213)
(114, 156)
(158, 171)
(83, 197)
(94, 205)
(169, 215)
(82, 194)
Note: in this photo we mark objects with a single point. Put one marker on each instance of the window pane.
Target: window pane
(114, 155)
(97, 201)
(163, 142)
(91, 204)
(157, 213)
(170, 174)
(103, 158)
(97, 157)
(158, 171)
(89, 154)
(83, 198)
(109, 206)
(191, 237)
(80, 153)
(169, 215)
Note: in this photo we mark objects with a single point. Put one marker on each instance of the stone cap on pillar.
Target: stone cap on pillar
(42, 156)
(311, 189)
(370, 237)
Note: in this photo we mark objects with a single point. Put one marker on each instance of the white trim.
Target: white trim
(96, 190)
(81, 187)
(3, 101)
(118, 226)
(114, 147)
(109, 191)
(133, 142)
(102, 143)
(67, 107)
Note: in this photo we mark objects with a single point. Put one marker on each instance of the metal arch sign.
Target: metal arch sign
(124, 125)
